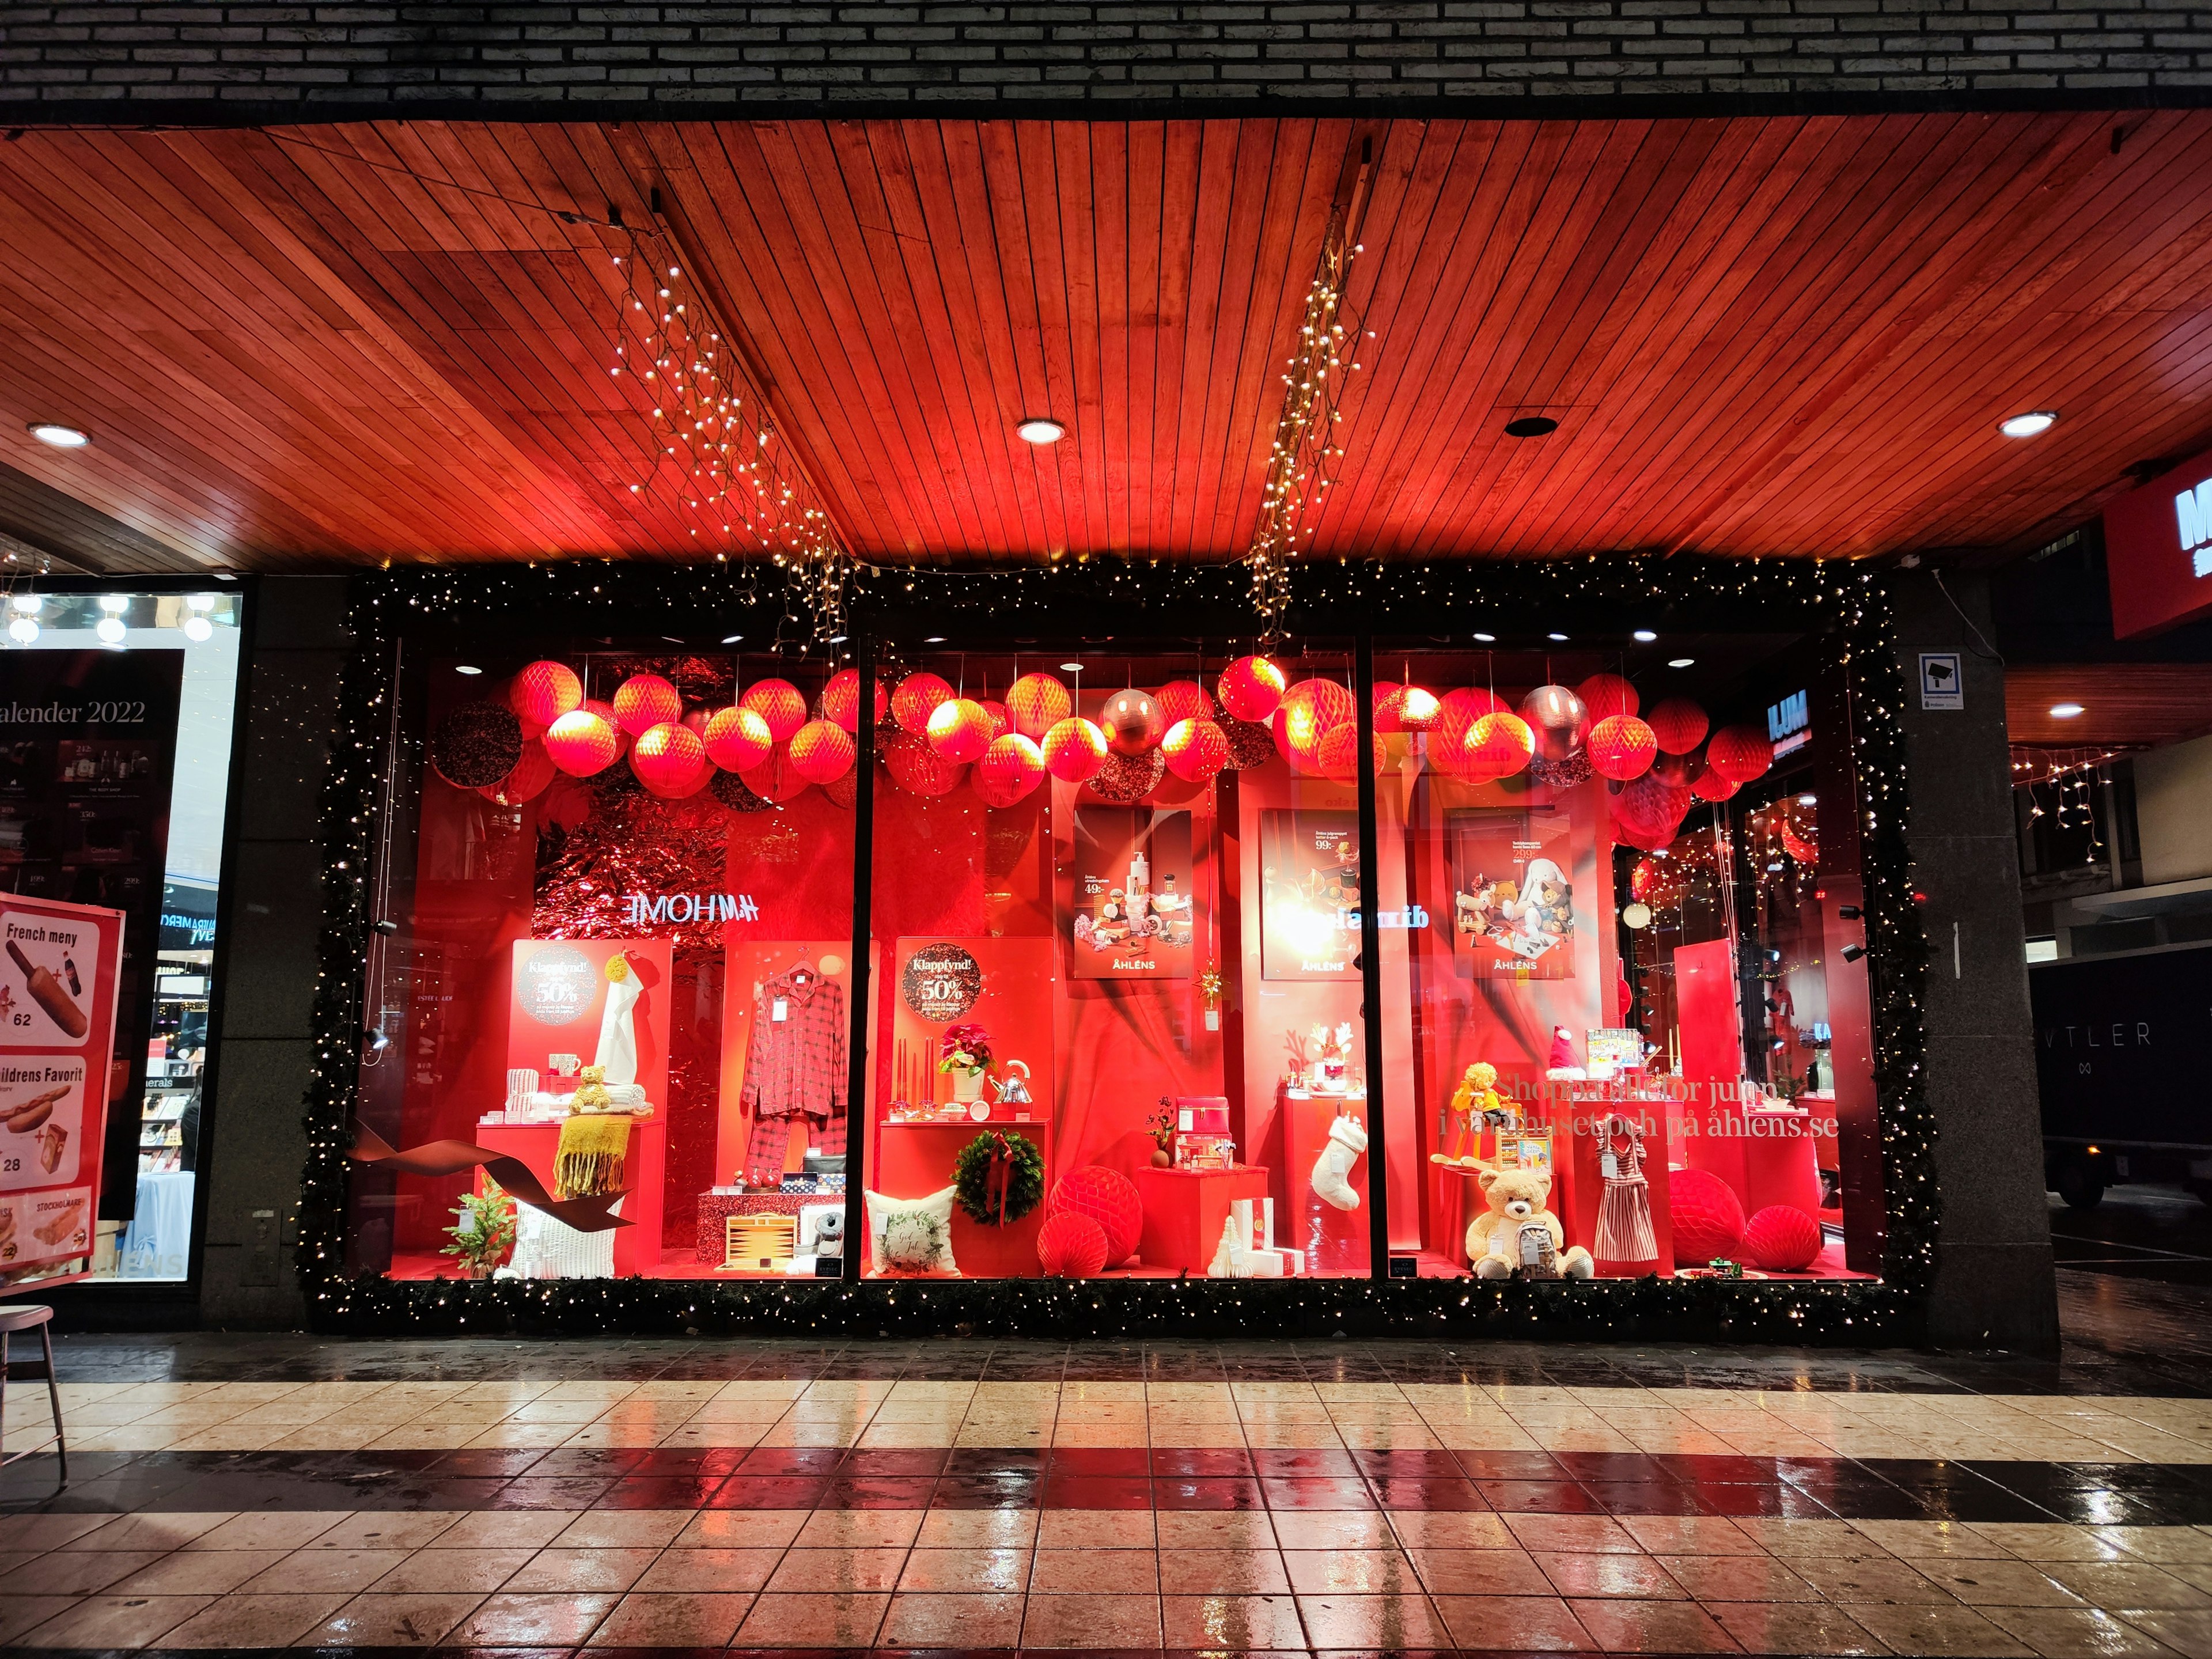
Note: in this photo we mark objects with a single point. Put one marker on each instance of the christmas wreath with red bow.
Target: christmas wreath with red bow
(998, 1177)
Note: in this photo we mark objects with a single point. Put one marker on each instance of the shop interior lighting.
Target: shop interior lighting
(1040, 429)
(198, 630)
(2033, 424)
(58, 436)
(1559, 639)
(934, 638)
(201, 601)
(1644, 636)
(22, 631)
(1485, 639)
(1071, 668)
(466, 668)
(1681, 662)
(731, 639)
(1808, 800)
(2065, 711)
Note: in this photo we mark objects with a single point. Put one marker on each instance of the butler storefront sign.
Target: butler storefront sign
(2158, 548)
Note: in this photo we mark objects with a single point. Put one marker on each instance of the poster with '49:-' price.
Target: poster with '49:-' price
(60, 966)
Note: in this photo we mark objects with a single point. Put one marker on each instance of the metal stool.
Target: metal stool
(21, 1317)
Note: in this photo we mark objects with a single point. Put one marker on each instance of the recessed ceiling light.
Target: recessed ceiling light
(1559, 638)
(731, 639)
(466, 668)
(837, 639)
(1680, 662)
(1808, 800)
(1532, 426)
(934, 638)
(2065, 711)
(1071, 668)
(1040, 430)
(2033, 424)
(1644, 636)
(1485, 639)
(61, 437)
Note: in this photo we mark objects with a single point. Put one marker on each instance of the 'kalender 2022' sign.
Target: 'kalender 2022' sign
(2158, 550)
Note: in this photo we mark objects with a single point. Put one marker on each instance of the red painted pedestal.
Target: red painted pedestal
(1184, 1210)
(913, 1160)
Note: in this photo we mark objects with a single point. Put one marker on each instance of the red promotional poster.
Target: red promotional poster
(1513, 904)
(559, 1004)
(1133, 908)
(58, 970)
(1310, 894)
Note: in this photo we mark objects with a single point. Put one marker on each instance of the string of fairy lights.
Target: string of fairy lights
(2069, 779)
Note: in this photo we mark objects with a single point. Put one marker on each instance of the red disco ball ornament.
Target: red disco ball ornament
(1310, 711)
(1002, 721)
(917, 698)
(1497, 745)
(845, 791)
(1339, 757)
(1386, 712)
(1608, 695)
(529, 779)
(582, 744)
(1678, 725)
(1072, 1246)
(1108, 1198)
(1621, 747)
(1782, 1239)
(1557, 721)
(821, 752)
(1250, 744)
(1074, 750)
(778, 702)
(1011, 769)
(644, 701)
(1125, 780)
(775, 779)
(1250, 688)
(544, 691)
(1679, 770)
(840, 700)
(1181, 701)
(1132, 722)
(1740, 753)
(1038, 702)
(918, 769)
(669, 761)
(738, 739)
(959, 730)
(1195, 750)
(1710, 785)
(1705, 1216)
(1414, 708)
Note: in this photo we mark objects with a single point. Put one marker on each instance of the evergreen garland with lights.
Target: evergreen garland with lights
(1847, 605)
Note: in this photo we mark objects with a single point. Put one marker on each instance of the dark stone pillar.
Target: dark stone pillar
(1994, 1285)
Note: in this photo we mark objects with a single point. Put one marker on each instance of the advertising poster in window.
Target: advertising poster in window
(58, 964)
(1309, 894)
(1514, 909)
(1133, 909)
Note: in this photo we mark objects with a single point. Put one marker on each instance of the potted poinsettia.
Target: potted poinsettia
(964, 1053)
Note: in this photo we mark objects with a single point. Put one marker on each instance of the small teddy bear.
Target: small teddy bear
(1518, 1199)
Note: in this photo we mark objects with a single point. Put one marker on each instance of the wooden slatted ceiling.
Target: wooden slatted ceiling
(1771, 336)
(2123, 705)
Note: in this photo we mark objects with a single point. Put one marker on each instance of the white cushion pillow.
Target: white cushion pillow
(912, 1235)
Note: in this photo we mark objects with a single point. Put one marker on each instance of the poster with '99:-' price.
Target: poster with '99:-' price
(60, 966)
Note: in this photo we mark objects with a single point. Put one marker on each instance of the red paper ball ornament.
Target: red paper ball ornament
(1678, 725)
(1072, 1246)
(959, 730)
(1621, 747)
(1608, 695)
(1011, 769)
(738, 739)
(1250, 688)
(840, 700)
(1038, 702)
(669, 761)
(1497, 745)
(1557, 721)
(1310, 711)
(1339, 754)
(917, 698)
(644, 701)
(777, 779)
(1108, 1198)
(821, 752)
(1002, 721)
(1740, 753)
(1782, 1239)
(1456, 714)
(1679, 770)
(1195, 750)
(918, 769)
(1125, 780)
(582, 744)
(1074, 750)
(529, 779)
(1707, 1219)
(1650, 810)
(544, 691)
(1386, 712)
(1132, 722)
(1181, 701)
(778, 702)
(1710, 785)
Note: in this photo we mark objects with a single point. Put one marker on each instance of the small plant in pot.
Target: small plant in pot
(482, 1231)
(963, 1053)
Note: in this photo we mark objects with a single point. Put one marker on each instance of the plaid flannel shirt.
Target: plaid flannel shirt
(795, 1066)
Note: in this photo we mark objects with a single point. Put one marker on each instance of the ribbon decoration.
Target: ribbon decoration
(446, 1158)
(999, 1176)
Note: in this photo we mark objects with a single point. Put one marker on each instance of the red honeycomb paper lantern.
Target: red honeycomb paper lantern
(1740, 753)
(1038, 702)
(1339, 756)
(1710, 785)
(840, 700)
(1678, 725)
(1181, 701)
(1706, 1216)
(1074, 750)
(1195, 750)
(1108, 1198)
(775, 779)
(1782, 1239)
(918, 769)
(1002, 721)
(1012, 768)
(1497, 745)
(779, 703)
(1649, 811)
(1072, 1246)
(1608, 695)
(644, 701)
(582, 744)
(529, 779)
(959, 730)
(1621, 747)
(1310, 711)
(1251, 688)
(669, 761)
(821, 752)
(917, 698)
(738, 739)
(542, 692)
(1456, 713)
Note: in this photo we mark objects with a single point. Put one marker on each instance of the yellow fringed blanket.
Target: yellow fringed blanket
(590, 1158)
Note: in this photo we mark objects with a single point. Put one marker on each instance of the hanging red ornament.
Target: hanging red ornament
(777, 779)
(1558, 720)
(1074, 750)
(738, 739)
(1132, 722)
(1002, 721)
(730, 789)
(531, 774)
(1386, 706)
(1711, 785)
(542, 692)
(1740, 753)
(840, 700)
(1012, 768)
(475, 745)
(1608, 695)
(1182, 700)
(1251, 688)
(1250, 742)
(1125, 780)
(644, 701)
(918, 769)
(845, 790)
(1800, 844)
(1497, 745)
(1679, 726)
(1310, 710)
(778, 702)
(669, 761)
(821, 752)
(1195, 750)
(1038, 702)
(1457, 711)
(1680, 770)
(1621, 747)
(1648, 812)
(917, 698)
(1339, 755)
(582, 744)
(959, 730)
(1415, 708)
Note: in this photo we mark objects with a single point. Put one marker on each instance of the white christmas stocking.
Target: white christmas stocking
(1347, 1139)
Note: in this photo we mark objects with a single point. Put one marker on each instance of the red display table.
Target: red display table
(913, 1160)
(1185, 1210)
(638, 1248)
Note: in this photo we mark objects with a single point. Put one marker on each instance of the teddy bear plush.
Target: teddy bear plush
(1518, 1199)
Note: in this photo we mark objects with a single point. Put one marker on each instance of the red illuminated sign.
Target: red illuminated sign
(2158, 550)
